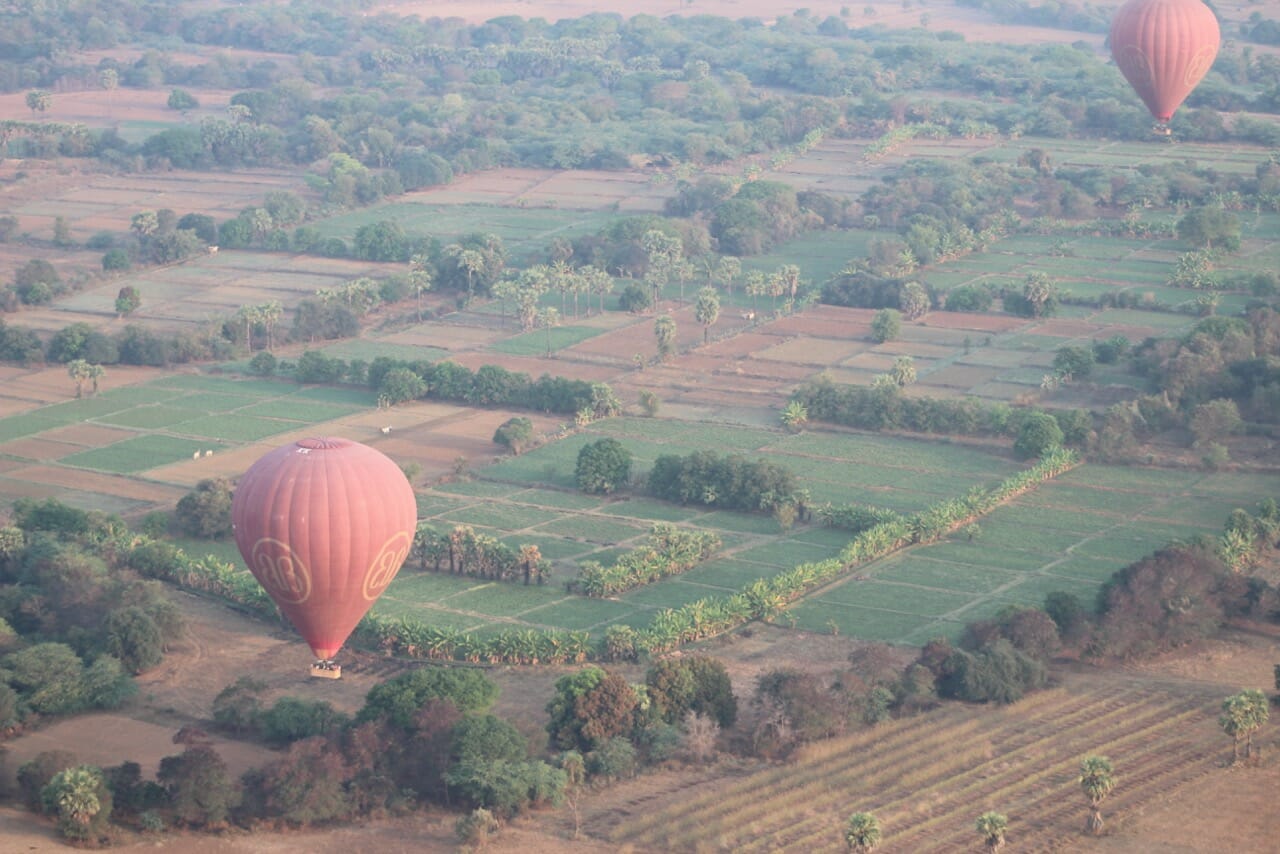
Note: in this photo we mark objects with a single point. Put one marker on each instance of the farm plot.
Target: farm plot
(569, 527)
(1070, 534)
(522, 230)
(1022, 759)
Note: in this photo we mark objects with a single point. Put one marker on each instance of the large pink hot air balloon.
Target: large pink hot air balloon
(1164, 48)
(324, 525)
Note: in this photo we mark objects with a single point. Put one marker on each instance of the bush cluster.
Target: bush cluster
(732, 482)
(667, 551)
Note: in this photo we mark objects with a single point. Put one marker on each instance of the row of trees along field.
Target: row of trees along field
(600, 728)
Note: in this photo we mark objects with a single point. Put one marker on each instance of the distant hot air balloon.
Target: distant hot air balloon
(324, 525)
(1164, 48)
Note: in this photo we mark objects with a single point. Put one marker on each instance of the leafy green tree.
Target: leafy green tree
(1097, 779)
(128, 300)
(39, 100)
(202, 793)
(400, 698)
(1243, 714)
(1073, 362)
(992, 827)
(903, 372)
(134, 638)
(603, 466)
(49, 677)
(206, 511)
(400, 385)
(238, 706)
(1039, 433)
(914, 300)
(862, 832)
(181, 99)
(886, 325)
(589, 708)
(80, 800)
(706, 310)
(116, 260)
(677, 686)
(306, 786)
(1215, 421)
(1205, 225)
(292, 719)
(1039, 294)
(34, 774)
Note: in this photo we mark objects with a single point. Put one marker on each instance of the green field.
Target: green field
(1071, 534)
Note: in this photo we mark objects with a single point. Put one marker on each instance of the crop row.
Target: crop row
(925, 786)
(897, 749)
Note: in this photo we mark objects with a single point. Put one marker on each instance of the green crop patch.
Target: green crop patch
(578, 613)
(649, 509)
(786, 553)
(865, 623)
(138, 454)
(27, 424)
(541, 341)
(200, 383)
(593, 529)
(746, 523)
(1123, 550)
(831, 538)
(920, 569)
(731, 574)
(366, 351)
(500, 600)
(1082, 567)
(236, 428)
(551, 548)
(503, 516)
(345, 395)
(1032, 590)
(475, 488)
(672, 593)
(556, 498)
(1000, 534)
(1056, 518)
(979, 553)
(904, 598)
(310, 411)
(150, 416)
(83, 410)
(432, 504)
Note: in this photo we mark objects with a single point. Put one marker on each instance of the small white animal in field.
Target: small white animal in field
(212, 250)
(386, 430)
(208, 453)
(196, 455)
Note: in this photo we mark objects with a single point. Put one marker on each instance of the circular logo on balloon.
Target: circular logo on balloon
(280, 571)
(385, 566)
(1199, 65)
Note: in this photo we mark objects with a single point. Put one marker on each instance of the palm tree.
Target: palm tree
(78, 370)
(862, 832)
(420, 279)
(1096, 781)
(664, 329)
(95, 374)
(1242, 715)
(706, 310)
(547, 318)
(794, 416)
(903, 372)
(992, 826)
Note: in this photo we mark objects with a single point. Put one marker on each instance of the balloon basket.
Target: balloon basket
(326, 670)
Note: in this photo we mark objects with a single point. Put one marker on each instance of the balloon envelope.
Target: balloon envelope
(1164, 48)
(324, 525)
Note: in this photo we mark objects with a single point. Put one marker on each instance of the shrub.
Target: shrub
(886, 325)
(603, 466)
(1039, 434)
